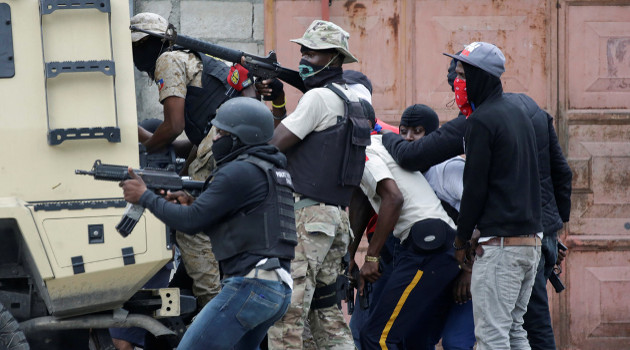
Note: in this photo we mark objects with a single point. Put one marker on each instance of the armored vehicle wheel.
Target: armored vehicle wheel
(11, 336)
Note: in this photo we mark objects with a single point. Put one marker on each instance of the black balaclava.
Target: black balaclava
(422, 115)
(146, 54)
(480, 85)
(227, 148)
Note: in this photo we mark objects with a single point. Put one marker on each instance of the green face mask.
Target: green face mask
(307, 69)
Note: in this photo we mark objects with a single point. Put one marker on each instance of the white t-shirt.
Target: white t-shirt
(420, 202)
(317, 110)
(447, 180)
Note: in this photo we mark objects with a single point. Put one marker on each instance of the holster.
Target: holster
(324, 296)
(423, 241)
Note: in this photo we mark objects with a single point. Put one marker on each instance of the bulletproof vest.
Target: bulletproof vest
(327, 165)
(267, 230)
(202, 102)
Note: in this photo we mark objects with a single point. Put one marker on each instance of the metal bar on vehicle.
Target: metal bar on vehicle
(49, 6)
(51, 323)
(78, 204)
(53, 69)
(57, 136)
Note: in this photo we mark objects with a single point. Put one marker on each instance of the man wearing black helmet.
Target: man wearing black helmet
(248, 196)
(191, 87)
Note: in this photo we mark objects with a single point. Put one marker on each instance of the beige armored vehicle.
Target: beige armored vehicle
(66, 99)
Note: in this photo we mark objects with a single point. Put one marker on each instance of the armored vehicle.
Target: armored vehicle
(67, 98)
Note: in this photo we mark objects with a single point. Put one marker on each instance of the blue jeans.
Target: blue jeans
(459, 329)
(537, 318)
(239, 316)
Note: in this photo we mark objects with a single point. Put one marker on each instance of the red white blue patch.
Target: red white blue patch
(160, 84)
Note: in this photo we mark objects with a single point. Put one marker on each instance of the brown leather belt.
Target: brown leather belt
(529, 240)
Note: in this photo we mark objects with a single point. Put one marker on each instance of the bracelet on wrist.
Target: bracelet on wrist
(280, 105)
(372, 258)
(280, 117)
(466, 245)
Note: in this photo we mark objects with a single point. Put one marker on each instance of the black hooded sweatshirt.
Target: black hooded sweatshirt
(447, 142)
(501, 182)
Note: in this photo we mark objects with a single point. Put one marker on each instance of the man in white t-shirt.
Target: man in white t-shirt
(446, 179)
(325, 148)
(410, 312)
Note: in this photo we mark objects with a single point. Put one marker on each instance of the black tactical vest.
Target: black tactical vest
(267, 230)
(202, 103)
(327, 165)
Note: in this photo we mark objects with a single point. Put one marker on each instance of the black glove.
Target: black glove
(277, 88)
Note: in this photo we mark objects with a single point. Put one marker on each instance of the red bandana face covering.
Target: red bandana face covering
(461, 97)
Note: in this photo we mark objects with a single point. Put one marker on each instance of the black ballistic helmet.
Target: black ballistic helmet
(247, 119)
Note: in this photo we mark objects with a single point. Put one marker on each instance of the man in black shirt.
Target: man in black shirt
(555, 181)
(501, 199)
(247, 210)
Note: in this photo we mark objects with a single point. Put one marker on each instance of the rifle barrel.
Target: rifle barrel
(209, 48)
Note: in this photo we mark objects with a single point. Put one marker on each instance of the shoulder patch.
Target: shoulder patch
(283, 177)
(160, 84)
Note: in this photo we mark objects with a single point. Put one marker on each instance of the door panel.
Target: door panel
(518, 28)
(594, 96)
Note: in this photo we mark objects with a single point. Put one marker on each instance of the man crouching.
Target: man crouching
(247, 210)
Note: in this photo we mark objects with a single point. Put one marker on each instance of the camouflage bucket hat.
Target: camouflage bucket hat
(322, 35)
(148, 21)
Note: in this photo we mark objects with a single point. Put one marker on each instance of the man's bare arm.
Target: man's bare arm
(173, 125)
(283, 138)
(388, 214)
(143, 134)
(360, 212)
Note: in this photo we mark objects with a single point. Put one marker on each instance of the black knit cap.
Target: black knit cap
(420, 115)
(355, 77)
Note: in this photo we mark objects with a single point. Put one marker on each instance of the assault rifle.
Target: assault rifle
(155, 179)
(262, 67)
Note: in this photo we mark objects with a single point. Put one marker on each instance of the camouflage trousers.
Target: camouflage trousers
(196, 250)
(323, 238)
(201, 266)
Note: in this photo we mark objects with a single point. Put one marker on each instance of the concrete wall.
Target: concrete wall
(237, 24)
